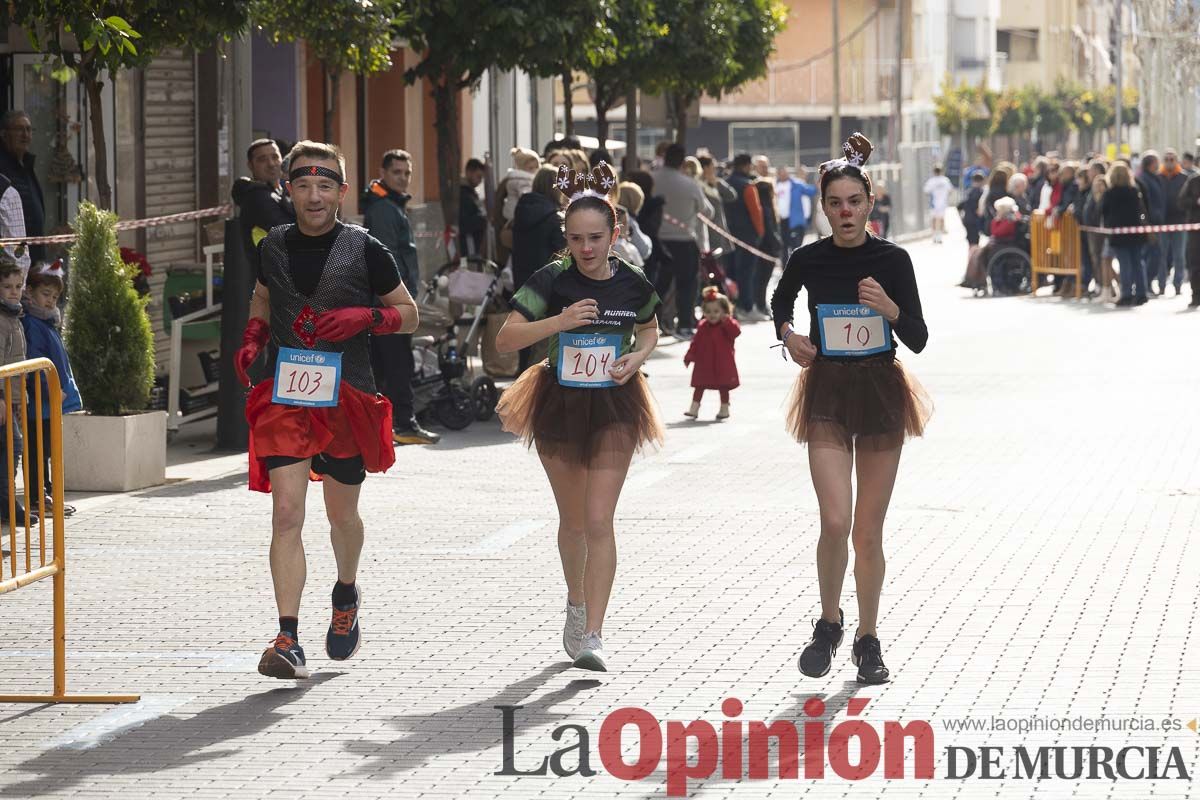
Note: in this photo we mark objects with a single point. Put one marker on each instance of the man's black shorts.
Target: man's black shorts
(350, 471)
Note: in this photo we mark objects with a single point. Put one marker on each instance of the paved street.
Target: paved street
(1037, 567)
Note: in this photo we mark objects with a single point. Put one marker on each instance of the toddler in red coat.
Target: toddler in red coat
(711, 352)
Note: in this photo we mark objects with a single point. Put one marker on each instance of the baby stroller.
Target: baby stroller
(445, 384)
(712, 273)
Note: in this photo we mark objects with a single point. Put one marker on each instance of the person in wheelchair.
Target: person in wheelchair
(1007, 251)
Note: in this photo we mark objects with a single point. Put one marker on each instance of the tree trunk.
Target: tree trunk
(331, 103)
(449, 147)
(94, 86)
(679, 106)
(568, 120)
(603, 103)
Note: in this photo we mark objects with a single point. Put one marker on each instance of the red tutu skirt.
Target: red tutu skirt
(360, 424)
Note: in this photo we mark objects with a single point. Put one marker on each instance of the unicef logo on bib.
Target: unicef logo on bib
(852, 330)
(307, 378)
(585, 360)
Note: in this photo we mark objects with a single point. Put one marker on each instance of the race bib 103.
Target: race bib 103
(852, 330)
(585, 360)
(307, 378)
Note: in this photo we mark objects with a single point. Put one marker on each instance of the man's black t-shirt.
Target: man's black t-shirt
(307, 256)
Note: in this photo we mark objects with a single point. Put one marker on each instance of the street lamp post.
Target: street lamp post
(1120, 76)
(898, 86)
(835, 122)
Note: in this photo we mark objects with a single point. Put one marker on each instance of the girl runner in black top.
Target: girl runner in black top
(587, 408)
(853, 404)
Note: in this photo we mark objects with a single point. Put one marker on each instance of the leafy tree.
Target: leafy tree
(457, 41)
(965, 109)
(92, 39)
(1052, 115)
(951, 109)
(636, 33)
(713, 47)
(1015, 111)
(1130, 113)
(344, 35)
(108, 336)
(577, 35)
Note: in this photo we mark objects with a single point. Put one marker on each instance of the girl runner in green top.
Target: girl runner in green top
(587, 408)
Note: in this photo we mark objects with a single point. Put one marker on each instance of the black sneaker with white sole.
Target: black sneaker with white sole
(283, 659)
(817, 657)
(868, 657)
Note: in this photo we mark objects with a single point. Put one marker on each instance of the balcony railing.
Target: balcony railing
(863, 82)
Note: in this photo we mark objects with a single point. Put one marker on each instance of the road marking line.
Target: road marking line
(645, 478)
(493, 542)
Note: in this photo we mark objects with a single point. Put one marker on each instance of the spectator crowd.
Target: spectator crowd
(1127, 268)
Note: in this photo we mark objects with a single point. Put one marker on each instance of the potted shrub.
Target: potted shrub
(114, 444)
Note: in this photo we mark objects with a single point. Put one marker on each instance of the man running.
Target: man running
(938, 187)
(314, 309)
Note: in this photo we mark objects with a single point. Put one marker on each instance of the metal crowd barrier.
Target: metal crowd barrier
(1055, 251)
(33, 567)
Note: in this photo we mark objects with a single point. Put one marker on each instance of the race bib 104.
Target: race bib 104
(585, 360)
(852, 330)
(307, 378)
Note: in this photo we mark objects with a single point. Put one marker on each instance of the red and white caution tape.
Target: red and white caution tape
(131, 224)
(733, 239)
(1190, 226)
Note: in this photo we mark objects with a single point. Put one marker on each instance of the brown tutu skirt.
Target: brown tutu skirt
(578, 425)
(870, 403)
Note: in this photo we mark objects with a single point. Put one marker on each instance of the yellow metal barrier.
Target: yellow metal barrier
(14, 376)
(1055, 251)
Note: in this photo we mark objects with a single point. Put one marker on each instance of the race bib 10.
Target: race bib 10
(307, 378)
(585, 360)
(852, 330)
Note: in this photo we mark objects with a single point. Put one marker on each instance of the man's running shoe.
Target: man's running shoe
(283, 659)
(591, 655)
(868, 657)
(573, 629)
(818, 655)
(344, 636)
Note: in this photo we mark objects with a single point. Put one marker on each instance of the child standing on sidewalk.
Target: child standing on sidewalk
(12, 350)
(712, 352)
(43, 322)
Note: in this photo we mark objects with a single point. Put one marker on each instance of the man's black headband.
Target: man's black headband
(315, 172)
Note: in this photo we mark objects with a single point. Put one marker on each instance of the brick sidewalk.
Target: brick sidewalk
(1036, 547)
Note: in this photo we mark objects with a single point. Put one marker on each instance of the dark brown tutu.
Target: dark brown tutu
(576, 425)
(871, 403)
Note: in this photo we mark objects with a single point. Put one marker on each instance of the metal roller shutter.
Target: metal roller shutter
(170, 151)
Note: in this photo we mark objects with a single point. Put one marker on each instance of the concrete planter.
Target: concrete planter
(114, 454)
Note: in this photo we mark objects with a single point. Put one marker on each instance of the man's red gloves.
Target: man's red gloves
(344, 323)
(332, 326)
(253, 338)
(391, 321)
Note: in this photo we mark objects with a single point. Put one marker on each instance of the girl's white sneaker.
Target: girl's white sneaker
(592, 655)
(573, 629)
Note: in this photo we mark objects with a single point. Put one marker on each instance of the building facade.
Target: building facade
(787, 114)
